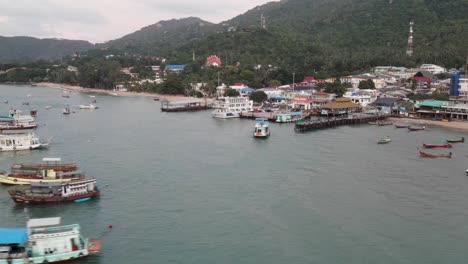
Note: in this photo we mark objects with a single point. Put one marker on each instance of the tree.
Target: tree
(258, 96)
(173, 85)
(274, 83)
(367, 84)
(231, 92)
(440, 96)
(335, 88)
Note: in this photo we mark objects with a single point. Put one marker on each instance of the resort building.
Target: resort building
(432, 68)
(340, 106)
(176, 69)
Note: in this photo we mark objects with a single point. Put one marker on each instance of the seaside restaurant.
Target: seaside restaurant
(339, 107)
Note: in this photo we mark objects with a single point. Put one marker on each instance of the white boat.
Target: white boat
(114, 94)
(262, 129)
(23, 141)
(48, 107)
(17, 119)
(92, 96)
(66, 110)
(90, 106)
(232, 107)
(44, 240)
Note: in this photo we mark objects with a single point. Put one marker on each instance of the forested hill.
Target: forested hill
(343, 35)
(23, 49)
(164, 35)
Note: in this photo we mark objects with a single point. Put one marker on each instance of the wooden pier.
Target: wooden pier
(334, 122)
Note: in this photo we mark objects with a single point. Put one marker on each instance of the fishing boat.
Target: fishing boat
(374, 123)
(33, 112)
(416, 128)
(53, 192)
(90, 106)
(431, 155)
(261, 129)
(385, 123)
(48, 107)
(25, 103)
(456, 140)
(45, 240)
(66, 110)
(446, 145)
(51, 170)
(66, 94)
(402, 125)
(384, 140)
(23, 141)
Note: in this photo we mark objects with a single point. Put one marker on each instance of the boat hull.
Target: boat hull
(437, 146)
(25, 199)
(461, 140)
(226, 115)
(430, 155)
(17, 148)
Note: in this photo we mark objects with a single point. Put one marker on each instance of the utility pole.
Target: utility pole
(218, 78)
(294, 83)
(409, 49)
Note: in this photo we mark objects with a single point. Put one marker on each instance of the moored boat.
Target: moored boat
(437, 145)
(261, 129)
(416, 128)
(44, 240)
(456, 140)
(383, 123)
(402, 125)
(232, 107)
(374, 123)
(52, 192)
(66, 110)
(23, 141)
(51, 170)
(384, 140)
(432, 155)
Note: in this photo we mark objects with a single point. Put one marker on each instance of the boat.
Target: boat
(15, 120)
(90, 106)
(156, 99)
(33, 112)
(5, 101)
(82, 200)
(416, 128)
(45, 240)
(51, 170)
(288, 117)
(232, 107)
(92, 96)
(431, 155)
(53, 192)
(446, 145)
(384, 140)
(373, 123)
(114, 94)
(456, 140)
(402, 125)
(385, 123)
(261, 129)
(48, 107)
(25, 103)
(23, 141)
(66, 110)
(66, 94)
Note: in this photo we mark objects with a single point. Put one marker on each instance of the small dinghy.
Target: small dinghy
(82, 200)
(384, 140)
(416, 128)
(431, 155)
(456, 140)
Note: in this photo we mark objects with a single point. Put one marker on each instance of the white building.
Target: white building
(432, 68)
(362, 97)
(463, 85)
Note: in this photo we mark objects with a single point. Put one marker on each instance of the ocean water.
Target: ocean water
(187, 188)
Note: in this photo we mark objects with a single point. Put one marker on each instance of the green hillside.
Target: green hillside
(23, 49)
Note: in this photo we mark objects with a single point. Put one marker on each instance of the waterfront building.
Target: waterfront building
(362, 97)
(431, 109)
(340, 106)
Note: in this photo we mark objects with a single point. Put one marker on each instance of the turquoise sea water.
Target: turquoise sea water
(187, 188)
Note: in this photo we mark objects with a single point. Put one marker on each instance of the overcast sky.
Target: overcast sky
(102, 20)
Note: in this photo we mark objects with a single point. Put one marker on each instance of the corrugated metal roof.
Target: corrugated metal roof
(432, 103)
(13, 236)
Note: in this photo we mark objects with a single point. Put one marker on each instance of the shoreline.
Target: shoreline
(111, 92)
(457, 125)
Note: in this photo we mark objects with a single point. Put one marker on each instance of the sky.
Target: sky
(103, 20)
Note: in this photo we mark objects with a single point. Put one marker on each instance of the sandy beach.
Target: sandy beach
(452, 125)
(101, 91)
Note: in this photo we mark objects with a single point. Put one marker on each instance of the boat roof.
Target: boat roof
(13, 236)
(51, 159)
(46, 184)
(43, 222)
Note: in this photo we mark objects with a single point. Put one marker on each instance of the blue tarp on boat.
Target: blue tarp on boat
(13, 236)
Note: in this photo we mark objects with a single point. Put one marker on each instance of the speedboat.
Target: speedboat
(261, 129)
(384, 140)
(90, 106)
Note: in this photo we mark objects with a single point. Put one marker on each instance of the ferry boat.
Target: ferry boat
(262, 129)
(45, 240)
(52, 192)
(24, 141)
(15, 120)
(51, 170)
(90, 106)
(232, 107)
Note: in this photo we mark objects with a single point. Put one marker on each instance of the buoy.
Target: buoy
(466, 172)
(110, 226)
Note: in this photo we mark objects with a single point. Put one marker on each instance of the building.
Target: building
(361, 97)
(388, 102)
(213, 60)
(245, 92)
(459, 85)
(431, 109)
(72, 69)
(175, 69)
(340, 106)
(423, 79)
(432, 68)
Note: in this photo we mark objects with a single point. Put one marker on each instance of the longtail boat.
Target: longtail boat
(385, 123)
(456, 140)
(416, 128)
(49, 171)
(45, 240)
(437, 145)
(54, 192)
(402, 125)
(431, 155)
(373, 123)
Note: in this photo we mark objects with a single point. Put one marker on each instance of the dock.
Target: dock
(271, 116)
(355, 119)
(184, 106)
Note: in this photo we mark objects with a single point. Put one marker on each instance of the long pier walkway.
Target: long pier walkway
(305, 126)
